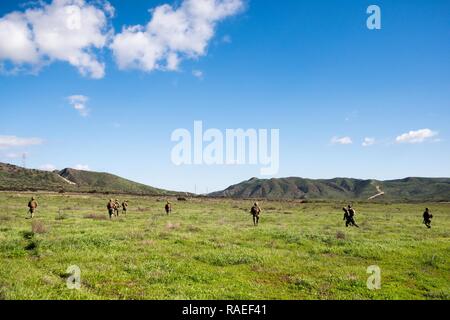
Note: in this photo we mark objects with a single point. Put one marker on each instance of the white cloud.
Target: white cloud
(197, 74)
(418, 136)
(47, 167)
(13, 141)
(78, 102)
(368, 142)
(16, 39)
(12, 155)
(83, 167)
(172, 34)
(64, 30)
(341, 140)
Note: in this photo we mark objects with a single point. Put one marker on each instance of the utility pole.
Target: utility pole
(24, 160)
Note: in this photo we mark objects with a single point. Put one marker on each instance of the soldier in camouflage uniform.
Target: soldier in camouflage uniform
(349, 216)
(427, 216)
(125, 207)
(255, 212)
(32, 205)
(110, 207)
(116, 207)
(168, 207)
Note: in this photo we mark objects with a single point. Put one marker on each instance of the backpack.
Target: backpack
(351, 212)
(255, 210)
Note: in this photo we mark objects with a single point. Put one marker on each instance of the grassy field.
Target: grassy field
(209, 249)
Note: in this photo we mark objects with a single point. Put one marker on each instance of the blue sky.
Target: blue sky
(309, 68)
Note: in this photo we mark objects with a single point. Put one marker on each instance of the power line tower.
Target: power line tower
(24, 160)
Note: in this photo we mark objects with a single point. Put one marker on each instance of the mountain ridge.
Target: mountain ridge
(296, 188)
(15, 178)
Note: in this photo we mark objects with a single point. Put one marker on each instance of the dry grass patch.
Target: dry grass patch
(95, 216)
(38, 227)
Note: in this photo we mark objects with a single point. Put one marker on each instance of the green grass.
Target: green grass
(209, 249)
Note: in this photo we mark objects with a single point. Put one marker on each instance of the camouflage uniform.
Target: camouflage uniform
(255, 211)
(168, 207)
(116, 207)
(349, 216)
(110, 207)
(32, 205)
(427, 216)
(124, 207)
(346, 216)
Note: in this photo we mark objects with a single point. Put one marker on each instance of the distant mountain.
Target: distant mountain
(20, 179)
(409, 189)
(14, 178)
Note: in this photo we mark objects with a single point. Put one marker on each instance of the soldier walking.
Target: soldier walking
(349, 216)
(110, 207)
(116, 207)
(168, 207)
(255, 212)
(32, 206)
(346, 216)
(125, 207)
(427, 216)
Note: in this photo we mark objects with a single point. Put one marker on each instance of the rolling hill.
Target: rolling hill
(408, 189)
(70, 180)
(15, 178)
